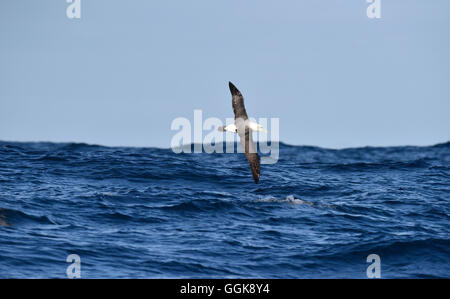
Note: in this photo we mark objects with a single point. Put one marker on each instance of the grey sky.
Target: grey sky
(126, 69)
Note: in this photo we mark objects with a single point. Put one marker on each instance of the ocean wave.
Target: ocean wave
(315, 213)
(11, 217)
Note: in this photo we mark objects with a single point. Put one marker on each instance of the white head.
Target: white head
(230, 128)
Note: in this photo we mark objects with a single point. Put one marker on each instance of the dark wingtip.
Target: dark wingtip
(233, 89)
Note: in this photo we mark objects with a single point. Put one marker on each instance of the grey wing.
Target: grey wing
(238, 103)
(250, 153)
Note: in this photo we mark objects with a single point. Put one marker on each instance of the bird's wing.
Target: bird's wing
(250, 152)
(238, 103)
(245, 133)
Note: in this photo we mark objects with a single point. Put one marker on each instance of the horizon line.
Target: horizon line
(235, 142)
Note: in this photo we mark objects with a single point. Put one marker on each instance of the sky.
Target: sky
(120, 74)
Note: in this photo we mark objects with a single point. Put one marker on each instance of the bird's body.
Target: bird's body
(233, 129)
(244, 128)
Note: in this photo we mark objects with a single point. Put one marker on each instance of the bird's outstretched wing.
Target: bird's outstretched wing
(250, 153)
(238, 103)
(245, 133)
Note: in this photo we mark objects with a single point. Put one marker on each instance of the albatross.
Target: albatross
(244, 128)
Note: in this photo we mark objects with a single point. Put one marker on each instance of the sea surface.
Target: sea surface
(151, 213)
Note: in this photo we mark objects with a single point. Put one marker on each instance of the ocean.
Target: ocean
(150, 213)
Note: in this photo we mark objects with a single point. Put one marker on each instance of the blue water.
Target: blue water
(147, 212)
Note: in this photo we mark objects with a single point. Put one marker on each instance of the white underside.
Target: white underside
(252, 125)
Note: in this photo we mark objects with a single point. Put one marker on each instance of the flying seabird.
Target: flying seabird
(244, 128)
